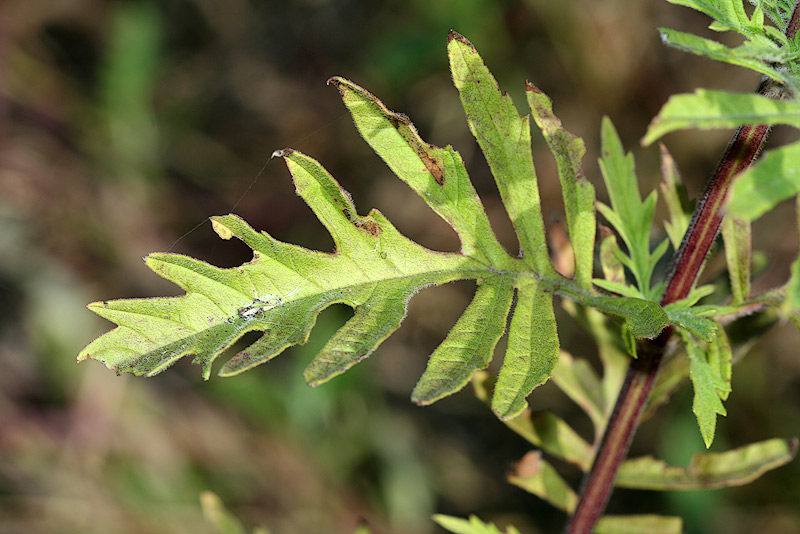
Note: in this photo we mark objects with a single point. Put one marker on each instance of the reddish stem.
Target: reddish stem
(686, 265)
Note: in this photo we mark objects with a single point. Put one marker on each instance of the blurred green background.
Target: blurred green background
(124, 125)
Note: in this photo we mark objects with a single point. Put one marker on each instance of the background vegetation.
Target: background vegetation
(125, 124)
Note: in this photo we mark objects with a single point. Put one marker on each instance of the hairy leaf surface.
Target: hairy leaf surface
(706, 109)
(376, 270)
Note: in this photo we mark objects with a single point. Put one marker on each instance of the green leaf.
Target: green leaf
(613, 270)
(790, 305)
(473, 525)
(748, 55)
(709, 388)
(577, 379)
(674, 193)
(505, 139)
(376, 270)
(630, 216)
(644, 318)
(618, 287)
(735, 467)
(778, 11)
(533, 474)
(688, 319)
(638, 524)
(727, 14)
(436, 174)
(469, 345)
(707, 109)
(775, 178)
(578, 192)
(737, 237)
(532, 351)
(720, 358)
(542, 429)
(219, 516)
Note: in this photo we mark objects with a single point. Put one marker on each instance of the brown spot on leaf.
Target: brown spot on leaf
(532, 88)
(371, 227)
(458, 37)
(433, 166)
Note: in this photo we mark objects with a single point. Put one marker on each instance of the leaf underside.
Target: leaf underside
(376, 270)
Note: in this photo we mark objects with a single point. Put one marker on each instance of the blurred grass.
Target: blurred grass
(126, 124)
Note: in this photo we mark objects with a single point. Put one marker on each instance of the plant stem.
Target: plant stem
(686, 265)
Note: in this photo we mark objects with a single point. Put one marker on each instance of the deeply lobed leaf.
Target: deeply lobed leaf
(376, 270)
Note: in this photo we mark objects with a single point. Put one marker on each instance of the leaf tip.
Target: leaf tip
(454, 35)
(336, 81)
(793, 446)
(282, 153)
(219, 227)
(94, 306)
(531, 88)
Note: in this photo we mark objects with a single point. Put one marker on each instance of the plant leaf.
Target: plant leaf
(638, 524)
(542, 429)
(630, 216)
(578, 192)
(533, 474)
(505, 139)
(437, 174)
(688, 319)
(756, 56)
(613, 270)
(735, 467)
(707, 109)
(219, 516)
(737, 237)
(727, 14)
(376, 270)
(469, 345)
(532, 351)
(709, 388)
(674, 193)
(775, 178)
(473, 525)
(577, 379)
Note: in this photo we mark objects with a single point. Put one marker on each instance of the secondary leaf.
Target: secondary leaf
(709, 388)
(222, 519)
(536, 476)
(707, 109)
(756, 56)
(469, 345)
(541, 429)
(630, 216)
(737, 236)
(533, 474)
(639, 524)
(505, 139)
(473, 525)
(577, 379)
(674, 193)
(775, 178)
(735, 467)
(578, 192)
(532, 351)
(728, 14)
(691, 321)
